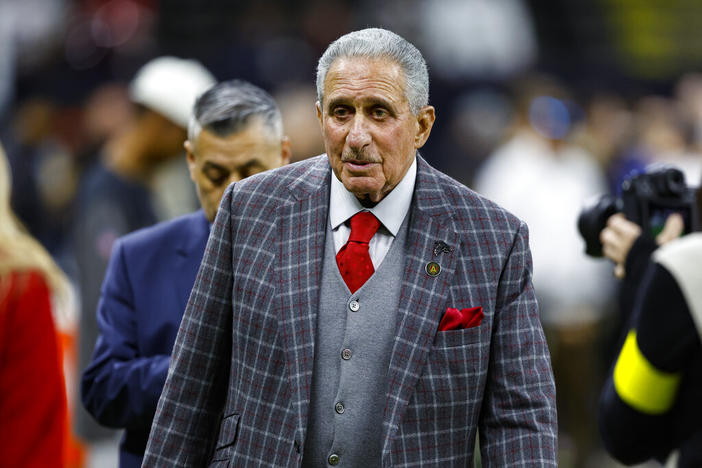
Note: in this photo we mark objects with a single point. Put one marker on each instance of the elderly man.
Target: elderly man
(235, 131)
(360, 308)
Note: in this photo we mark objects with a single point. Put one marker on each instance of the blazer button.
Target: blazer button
(354, 306)
(339, 407)
(346, 354)
(333, 459)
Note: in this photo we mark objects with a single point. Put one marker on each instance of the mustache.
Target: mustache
(359, 156)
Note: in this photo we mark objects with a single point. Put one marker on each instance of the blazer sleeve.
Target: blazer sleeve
(518, 425)
(189, 408)
(120, 387)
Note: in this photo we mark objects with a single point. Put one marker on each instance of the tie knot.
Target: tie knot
(363, 227)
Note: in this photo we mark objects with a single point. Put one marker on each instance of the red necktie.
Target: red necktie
(353, 259)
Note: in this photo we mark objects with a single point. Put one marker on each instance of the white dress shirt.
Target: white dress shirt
(391, 211)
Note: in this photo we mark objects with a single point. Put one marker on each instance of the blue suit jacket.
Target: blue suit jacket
(143, 296)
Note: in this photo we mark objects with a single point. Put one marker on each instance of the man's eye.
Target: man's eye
(249, 171)
(340, 112)
(379, 113)
(216, 177)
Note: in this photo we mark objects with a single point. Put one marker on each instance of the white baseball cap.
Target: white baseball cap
(170, 86)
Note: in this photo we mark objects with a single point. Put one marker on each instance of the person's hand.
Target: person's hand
(620, 234)
(617, 238)
(672, 229)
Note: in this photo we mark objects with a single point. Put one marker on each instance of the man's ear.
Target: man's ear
(190, 158)
(425, 121)
(318, 108)
(285, 151)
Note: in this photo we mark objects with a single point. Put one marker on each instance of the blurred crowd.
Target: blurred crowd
(510, 125)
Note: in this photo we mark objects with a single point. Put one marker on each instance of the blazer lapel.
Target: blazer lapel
(422, 297)
(189, 255)
(302, 229)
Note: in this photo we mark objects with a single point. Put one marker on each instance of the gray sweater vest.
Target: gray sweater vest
(355, 335)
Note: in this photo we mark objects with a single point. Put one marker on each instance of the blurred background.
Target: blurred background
(540, 105)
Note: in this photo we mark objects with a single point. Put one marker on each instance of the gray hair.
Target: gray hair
(380, 43)
(229, 106)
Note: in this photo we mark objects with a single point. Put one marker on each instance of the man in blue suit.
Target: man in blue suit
(235, 131)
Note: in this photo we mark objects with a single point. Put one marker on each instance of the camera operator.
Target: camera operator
(649, 407)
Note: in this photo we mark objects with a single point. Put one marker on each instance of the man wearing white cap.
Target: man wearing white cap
(115, 195)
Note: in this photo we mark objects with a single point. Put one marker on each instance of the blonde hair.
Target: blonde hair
(19, 251)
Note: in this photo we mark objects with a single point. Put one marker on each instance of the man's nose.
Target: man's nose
(358, 135)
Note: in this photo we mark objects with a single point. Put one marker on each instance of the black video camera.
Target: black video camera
(647, 200)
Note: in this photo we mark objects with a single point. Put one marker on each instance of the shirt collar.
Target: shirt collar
(391, 210)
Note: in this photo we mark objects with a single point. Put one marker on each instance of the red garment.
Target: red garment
(353, 258)
(32, 389)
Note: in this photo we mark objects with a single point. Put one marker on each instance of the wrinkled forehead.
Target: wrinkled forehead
(357, 75)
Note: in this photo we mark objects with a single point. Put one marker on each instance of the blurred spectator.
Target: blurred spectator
(115, 196)
(34, 427)
(543, 178)
(605, 132)
(106, 112)
(480, 122)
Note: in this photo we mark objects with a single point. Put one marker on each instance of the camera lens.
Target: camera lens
(674, 182)
(664, 181)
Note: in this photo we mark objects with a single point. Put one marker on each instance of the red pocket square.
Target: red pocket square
(455, 319)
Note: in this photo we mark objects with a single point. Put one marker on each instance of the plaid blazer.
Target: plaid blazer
(238, 387)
